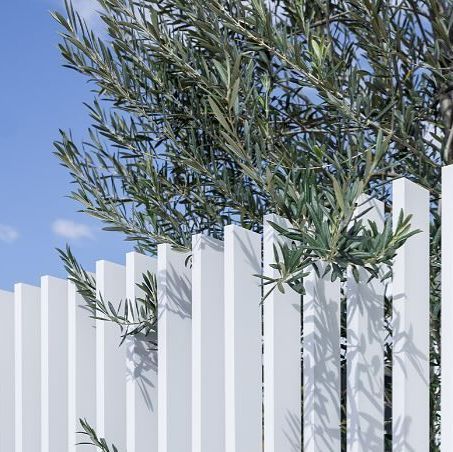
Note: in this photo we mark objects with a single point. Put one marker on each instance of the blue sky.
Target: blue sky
(39, 96)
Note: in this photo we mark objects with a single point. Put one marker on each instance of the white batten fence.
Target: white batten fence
(111, 365)
(411, 323)
(282, 324)
(231, 374)
(175, 351)
(7, 372)
(208, 345)
(81, 367)
(365, 353)
(141, 379)
(54, 364)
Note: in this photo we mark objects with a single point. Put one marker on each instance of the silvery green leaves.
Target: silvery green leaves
(214, 114)
(93, 439)
(136, 316)
(337, 236)
(219, 112)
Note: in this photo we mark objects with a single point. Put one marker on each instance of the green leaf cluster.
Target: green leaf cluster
(138, 316)
(93, 439)
(211, 113)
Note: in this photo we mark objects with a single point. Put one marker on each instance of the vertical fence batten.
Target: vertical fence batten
(141, 403)
(81, 368)
(365, 350)
(447, 310)
(174, 351)
(54, 364)
(243, 363)
(282, 354)
(411, 323)
(7, 372)
(208, 345)
(27, 342)
(229, 373)
(321, 362)
(110, 358)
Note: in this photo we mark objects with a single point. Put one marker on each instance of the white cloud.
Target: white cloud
(8, 234)
(88, 9)
(71, 230)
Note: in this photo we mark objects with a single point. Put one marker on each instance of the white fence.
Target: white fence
(229, 377)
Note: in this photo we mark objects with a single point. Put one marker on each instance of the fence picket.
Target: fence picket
(110, 359)
(174, 351)
(141, 403)
(54, 364)
(208, 344)
(321, 363)
(447, 310)
(7, 372)
(224, 359)
(81, 368)
(282, 355)
(365, 351)
(27, 344)
(243, 343)
(411, 323)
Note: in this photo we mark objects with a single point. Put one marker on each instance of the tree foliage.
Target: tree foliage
(211, 113)
(92, 438)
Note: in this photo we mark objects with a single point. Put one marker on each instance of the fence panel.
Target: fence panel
(447, 310)
(243, 343)
(208, 345)
(7, 372)
(282, 355)
(27, 343)
(141, 403)
(174, 353)
(54, 364)
(81, 368)
(365, 351)
(58, 364)
(110, 359)
(411, 323)
(321, 362)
